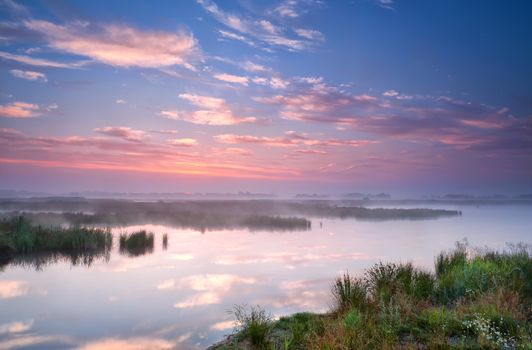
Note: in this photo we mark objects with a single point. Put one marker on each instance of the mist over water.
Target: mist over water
(179, 296)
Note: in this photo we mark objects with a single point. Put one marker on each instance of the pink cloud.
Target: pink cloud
(183, 142)
(253, 67)
(39, 62)
(213, 111)
(289, 139)
(118, 154)
(20, 110)
(230, 78)
(122, 132)
(120, 45)
(269, 141)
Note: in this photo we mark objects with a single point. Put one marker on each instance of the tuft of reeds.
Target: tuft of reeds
(349, 292)
(136, 243)
(253, 323)
(165, 241)
(262, 222)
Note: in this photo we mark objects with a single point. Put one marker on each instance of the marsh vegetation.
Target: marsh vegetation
(205, 215)
(36, 244)
(136, 243)
(475, 299)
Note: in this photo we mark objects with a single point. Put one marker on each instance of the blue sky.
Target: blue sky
(286, 96)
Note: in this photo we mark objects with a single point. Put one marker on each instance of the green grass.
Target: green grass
(136, 243)
(19, 236)
(253, 323)
(349, 292)
(475, 299)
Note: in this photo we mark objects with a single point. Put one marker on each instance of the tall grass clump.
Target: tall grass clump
(349, 292)
(136, 243)
(388, 280)
(446, 261)
(253, 323)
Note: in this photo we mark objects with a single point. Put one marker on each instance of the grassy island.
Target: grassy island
(473, 300)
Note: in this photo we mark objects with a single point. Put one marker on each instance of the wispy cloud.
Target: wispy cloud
(40, 62)
(36, 341)
(183, 142)
(29, 75)
(411, 118)
(15, 327)
(310, 99)
(273, 82)
(122, 132)
(230, 78)
(386, 4)
(20, 110)
(289, 139)
(213, 111)
(233, 36)
(120, 45)
(287, 9)
(291, 9)
(259, 30)
(254, 67)
(310, 34)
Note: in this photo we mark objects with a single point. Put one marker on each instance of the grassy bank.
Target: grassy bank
(474, 300)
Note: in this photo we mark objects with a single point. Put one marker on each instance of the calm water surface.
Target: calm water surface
(179, 297)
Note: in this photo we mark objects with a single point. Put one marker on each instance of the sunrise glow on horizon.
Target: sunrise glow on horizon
(288, 96)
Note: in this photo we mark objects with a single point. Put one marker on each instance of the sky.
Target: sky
(285, 97)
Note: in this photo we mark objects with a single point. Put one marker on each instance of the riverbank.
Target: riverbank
(474, 299)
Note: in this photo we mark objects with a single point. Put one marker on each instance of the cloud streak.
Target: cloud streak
(120, 45)
(29, 75)
(289, 139)
(122, 132)
(212, 111)
(20, 110)
(260, 32)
